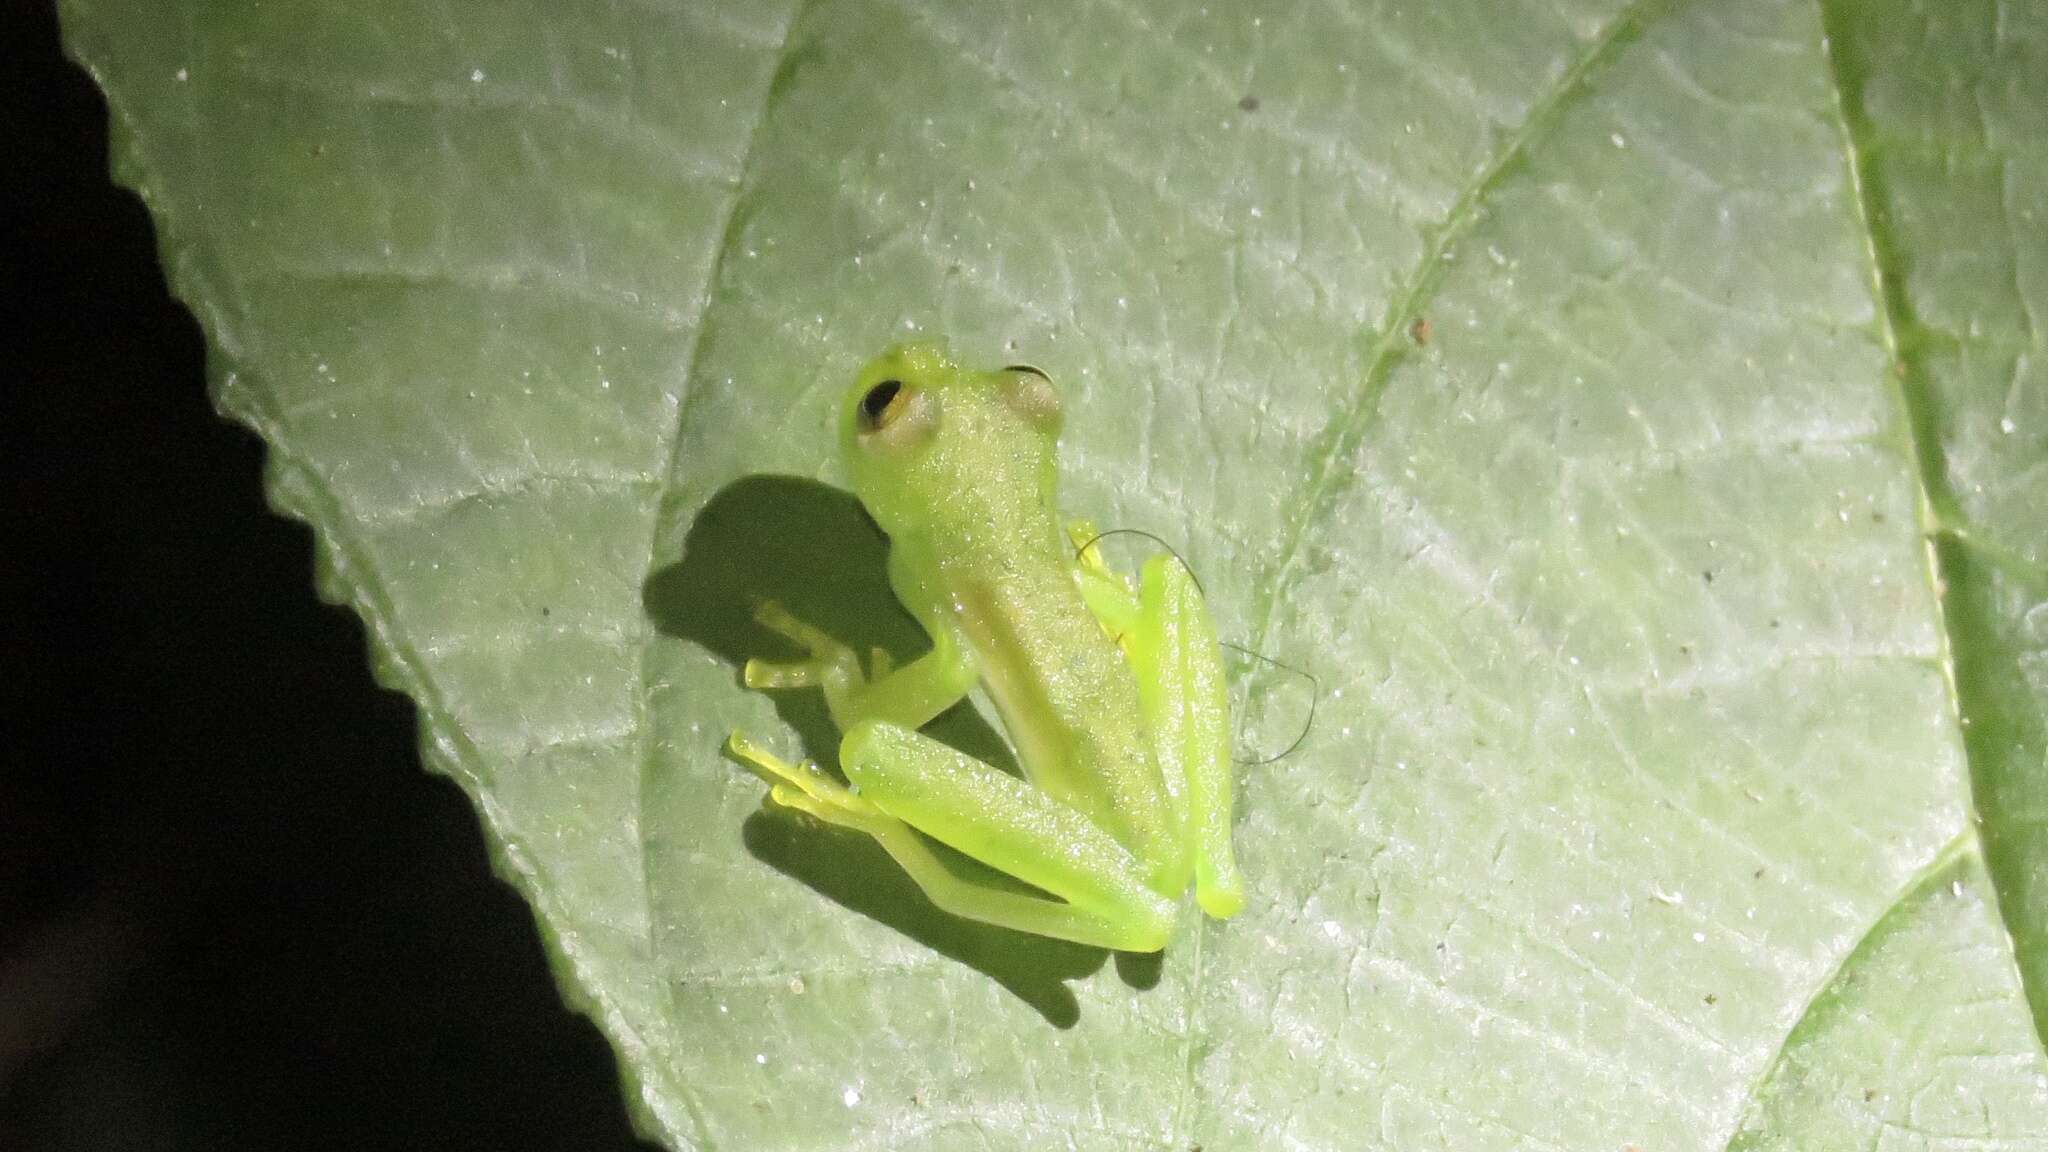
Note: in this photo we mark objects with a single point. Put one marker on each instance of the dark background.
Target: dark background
(234, 911)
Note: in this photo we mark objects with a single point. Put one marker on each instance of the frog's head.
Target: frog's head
(925, 438)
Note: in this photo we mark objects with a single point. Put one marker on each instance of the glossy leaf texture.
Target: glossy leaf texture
(1635, 416)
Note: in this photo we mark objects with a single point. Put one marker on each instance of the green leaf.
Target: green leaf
(1636, 416)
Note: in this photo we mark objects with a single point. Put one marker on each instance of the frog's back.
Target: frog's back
(1066, 695)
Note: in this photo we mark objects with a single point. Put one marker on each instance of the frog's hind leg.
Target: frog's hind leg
(1187, 709)
(1011, 827)
(1164, 630)
(806, 788)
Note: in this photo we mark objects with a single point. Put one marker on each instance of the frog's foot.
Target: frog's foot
(829, 659)
(1084, 536)
(808, 788)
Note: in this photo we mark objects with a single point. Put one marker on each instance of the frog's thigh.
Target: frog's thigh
(1187, 709)
(1014, 828)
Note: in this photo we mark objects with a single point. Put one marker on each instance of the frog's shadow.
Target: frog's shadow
(813, 548)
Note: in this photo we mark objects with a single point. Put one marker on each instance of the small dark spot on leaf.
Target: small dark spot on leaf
(1708, 575)
(1420, 330)
(1877, 517)
(1713, 999)
(544, 610)
(1869, 1094)
(1249, 104)
(1774, 621)
(1758, 874)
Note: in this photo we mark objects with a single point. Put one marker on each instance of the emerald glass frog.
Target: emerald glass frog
(1112, 693)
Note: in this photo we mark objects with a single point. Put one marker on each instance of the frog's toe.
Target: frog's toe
(774, 769)
(801, 785)
(777, 674)
(770, 614)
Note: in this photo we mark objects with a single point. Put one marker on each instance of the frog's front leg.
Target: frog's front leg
(912, 695)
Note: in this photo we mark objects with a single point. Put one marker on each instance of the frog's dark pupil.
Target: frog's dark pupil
(877, 400)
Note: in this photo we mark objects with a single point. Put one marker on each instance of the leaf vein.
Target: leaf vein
(1349, 426)
(729, 235)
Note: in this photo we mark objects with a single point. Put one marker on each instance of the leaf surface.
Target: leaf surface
(1634, 415)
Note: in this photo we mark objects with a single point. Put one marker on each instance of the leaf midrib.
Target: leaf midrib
(1348, 429)
(1936, 506)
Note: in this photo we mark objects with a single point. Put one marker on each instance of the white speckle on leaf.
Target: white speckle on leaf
(760, 1058)
(2007, 426)
(850, 1097)
(1618, 140)
(183, 75)
(476, 76)
(1332, 929)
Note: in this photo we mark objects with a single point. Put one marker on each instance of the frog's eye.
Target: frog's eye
(880, 406)
(1030, 392)
(893, 415)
